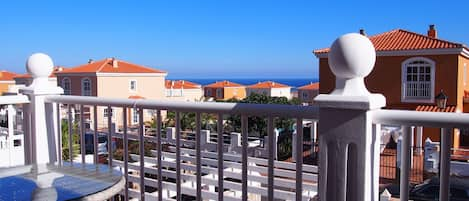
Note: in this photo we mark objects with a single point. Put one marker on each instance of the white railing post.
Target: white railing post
(419, 139)
(349, 154)
(314, 136)
(11, 132)
(293, 146)
(43, 134)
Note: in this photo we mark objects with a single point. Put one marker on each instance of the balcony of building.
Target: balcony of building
(231, 159)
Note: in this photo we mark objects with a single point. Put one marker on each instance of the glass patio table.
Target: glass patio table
(69, 181)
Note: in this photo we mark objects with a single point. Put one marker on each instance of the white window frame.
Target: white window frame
(465, 74)
(413, 99)
(135, 116)
(83, 91)
(113, 113)
(67, 91)
(130, 85)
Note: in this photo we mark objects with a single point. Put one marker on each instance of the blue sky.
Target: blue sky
(209, 39)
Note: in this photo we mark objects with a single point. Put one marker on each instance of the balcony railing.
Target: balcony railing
(176, 167)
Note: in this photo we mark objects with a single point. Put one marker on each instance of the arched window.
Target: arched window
(67, 86)
(418, 80)
(86, 87)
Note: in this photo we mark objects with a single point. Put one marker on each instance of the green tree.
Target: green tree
(187, 120)
(257, 125)
(66, 137)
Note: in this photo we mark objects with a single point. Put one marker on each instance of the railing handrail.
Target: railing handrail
(14, 99)
(419, 118)
(292, 111)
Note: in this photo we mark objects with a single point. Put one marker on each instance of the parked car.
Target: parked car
(430, 190)
(102, 143)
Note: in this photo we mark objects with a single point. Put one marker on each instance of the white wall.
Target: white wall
(184, 94)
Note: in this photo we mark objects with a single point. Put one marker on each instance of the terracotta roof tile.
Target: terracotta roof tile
(434, 108)
(105, 66)
(268, 85)
(311, 86)
(136, 97)
(7, 76)
(27, 75)
(222, 84)
(178, 84)
(399, 39)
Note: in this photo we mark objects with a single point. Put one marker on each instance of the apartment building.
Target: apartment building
(411, 69)
(307, 93)
(113, 78)
(270, 88)
(224, 90)
(183, 90)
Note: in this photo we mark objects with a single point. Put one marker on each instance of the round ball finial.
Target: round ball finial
(352, 55)
(39, 65)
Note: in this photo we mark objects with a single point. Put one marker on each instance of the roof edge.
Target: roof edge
(418, 52)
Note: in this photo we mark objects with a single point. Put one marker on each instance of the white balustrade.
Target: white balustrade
(349, 121)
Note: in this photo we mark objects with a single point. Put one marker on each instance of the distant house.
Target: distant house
(270, 88)
(183, 90)
(22, 80)
(113, 78)
(307, 93)
(225, 90)
(6, 80)
(410, 70)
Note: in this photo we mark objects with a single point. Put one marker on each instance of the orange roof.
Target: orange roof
(136, 97)
(106, 66)
(311, 86)
(7, 76)
(224, 83)
(399, 39)
(268, 85)
(434, 108)
(181, 84)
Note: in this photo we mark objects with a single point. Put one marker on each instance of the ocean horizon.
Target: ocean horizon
(293, 82)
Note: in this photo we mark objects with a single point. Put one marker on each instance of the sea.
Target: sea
(293, 82)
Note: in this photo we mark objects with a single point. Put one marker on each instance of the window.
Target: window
(465, 74)
(16, 143)
(134, 115)
(219, 93)
(133, 85)
(86, 87)
(66, 85)
(305, 95)
(106, 112)
(208, 92)
(418, 77)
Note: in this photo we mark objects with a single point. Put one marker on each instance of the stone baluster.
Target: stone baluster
(42, 133)
(349, 156)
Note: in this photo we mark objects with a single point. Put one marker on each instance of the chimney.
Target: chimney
(432, 31)
(182, 82)
(362, 32)
(90, 61)
(115, 64)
